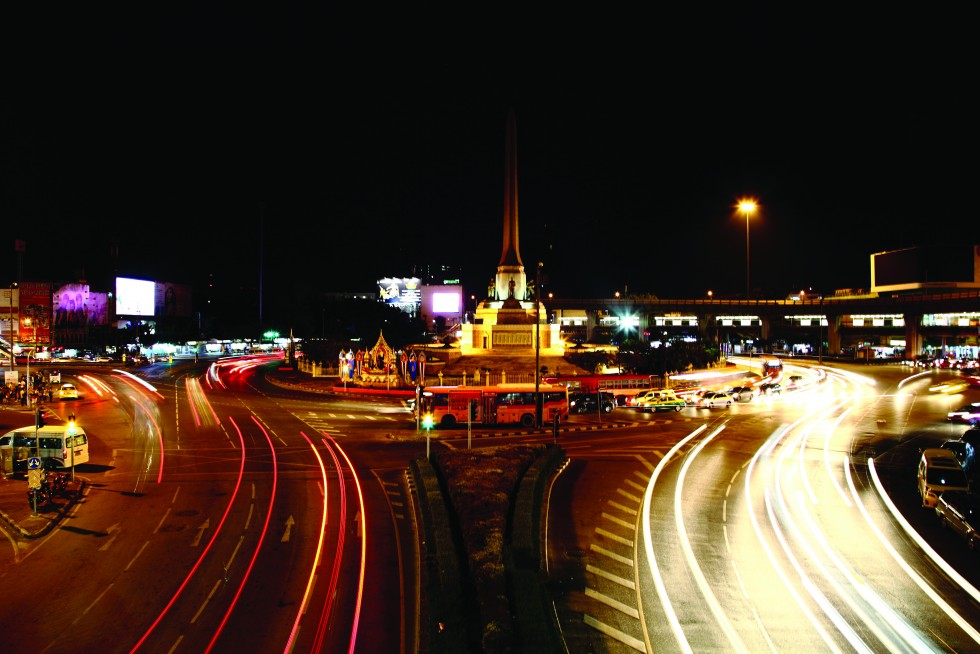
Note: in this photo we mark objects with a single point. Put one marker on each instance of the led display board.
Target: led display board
(135, 297)
(446, 302)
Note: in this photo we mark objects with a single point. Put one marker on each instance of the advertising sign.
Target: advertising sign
(404, 293)
(135, 297)
(35, 313)
(172, 300)
(73, 305)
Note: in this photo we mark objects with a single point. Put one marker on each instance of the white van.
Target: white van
(56, 447)
(939, 471)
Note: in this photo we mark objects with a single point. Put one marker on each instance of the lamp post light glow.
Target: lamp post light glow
(747, 207)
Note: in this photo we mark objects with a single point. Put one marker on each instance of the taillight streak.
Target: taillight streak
(207, 548)
(364, 533)
(159, 431)
(338, 553)
(319, 549)
(258, 547)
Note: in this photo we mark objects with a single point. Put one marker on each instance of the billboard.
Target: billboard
(172, 300)
(35, 313)
(401, 292)
(948, 266)
(442, 301)
(135, 297)
(74, 305)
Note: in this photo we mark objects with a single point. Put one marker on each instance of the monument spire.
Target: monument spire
(511, 254)
(511, 282)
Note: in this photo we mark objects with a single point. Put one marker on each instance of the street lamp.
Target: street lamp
(747, 207)
(537, 347)
(13, 285)
(28, 322)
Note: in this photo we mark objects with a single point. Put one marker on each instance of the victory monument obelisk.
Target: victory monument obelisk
(506, 322)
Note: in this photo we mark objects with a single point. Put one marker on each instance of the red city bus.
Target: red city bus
(503, 403)
(624, 387)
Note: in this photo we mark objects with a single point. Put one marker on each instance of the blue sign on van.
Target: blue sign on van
(34, 463)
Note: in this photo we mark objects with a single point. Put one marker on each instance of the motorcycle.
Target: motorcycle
(38, 496)
(57, 484)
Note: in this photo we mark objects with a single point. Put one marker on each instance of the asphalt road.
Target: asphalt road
(221, 511)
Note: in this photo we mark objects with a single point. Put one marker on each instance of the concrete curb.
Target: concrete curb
(49, 522)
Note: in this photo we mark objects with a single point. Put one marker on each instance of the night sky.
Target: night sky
(356, 144)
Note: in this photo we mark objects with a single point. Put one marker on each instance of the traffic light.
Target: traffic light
(38, 418)
(71, 424)
(427, 421)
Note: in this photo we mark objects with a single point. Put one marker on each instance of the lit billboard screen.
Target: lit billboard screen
(135, 297)
(400, 292)
(446, 302)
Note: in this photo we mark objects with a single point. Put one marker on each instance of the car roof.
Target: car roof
(962, 498)
(41, 431)
(939, 456)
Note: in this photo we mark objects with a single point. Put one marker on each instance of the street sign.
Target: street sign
(34, 463)
(34, 479)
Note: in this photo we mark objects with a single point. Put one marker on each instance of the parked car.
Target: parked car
(741, 393)
(711, 399)
(770, 388)
(968, 413)
(960, 511)
(588, 403)
(939, 472)
(958, 448)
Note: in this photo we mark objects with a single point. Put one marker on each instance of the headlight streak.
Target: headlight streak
(828, 458)
(692, 562)
(291, 641)
(207, 548)
(815, 593)
(364, 533)
(338, 557)
(787, 519)
(262, 535)
(156, 426)
(756, 527)
(213, 375)
(125, 375)
(97, 385)
(658, 581)
(191, 392)
(914, 377)
(195, 396)
(965, 585)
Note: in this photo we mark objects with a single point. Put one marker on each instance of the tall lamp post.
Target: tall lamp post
(13, 285)
(30, 323)
(747, 207)
(537, 347)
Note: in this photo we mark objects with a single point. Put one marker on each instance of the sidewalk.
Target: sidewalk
(18, 515)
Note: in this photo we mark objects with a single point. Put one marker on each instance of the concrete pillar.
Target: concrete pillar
(833, 334)
(913, 337)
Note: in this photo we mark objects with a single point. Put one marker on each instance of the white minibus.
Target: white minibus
(56, 447)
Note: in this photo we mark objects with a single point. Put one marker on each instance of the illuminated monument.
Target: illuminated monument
(506, 322)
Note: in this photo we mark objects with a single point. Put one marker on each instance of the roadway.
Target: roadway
(788, 523)
(220, 514)
(223, 512)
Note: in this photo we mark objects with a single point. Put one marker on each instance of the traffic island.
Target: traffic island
(481, 517)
